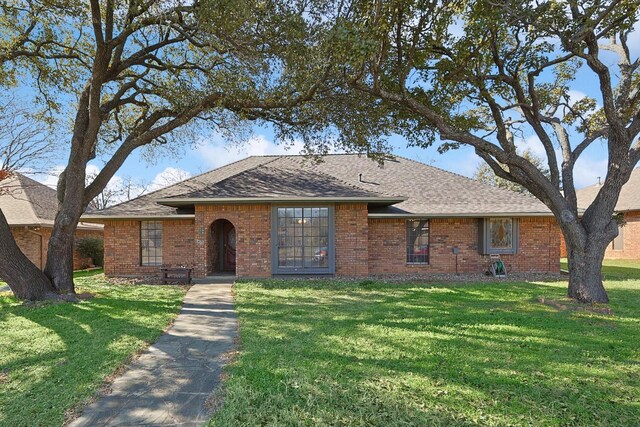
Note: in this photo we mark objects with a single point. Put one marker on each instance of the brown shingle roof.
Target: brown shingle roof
(415, 188)
(145, 205)
(26, 202)
(629, 199)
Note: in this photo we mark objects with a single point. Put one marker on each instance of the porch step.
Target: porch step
(221, 278)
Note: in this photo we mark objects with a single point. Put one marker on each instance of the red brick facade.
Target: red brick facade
(122, 256)
(630, 240)
(352, 237)
(34, 243)
(363, 246)
(538, 249)
(253, 237)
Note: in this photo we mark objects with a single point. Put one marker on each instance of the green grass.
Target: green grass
(77, 274)
(55, 356)
(376, 354)
(615, 269)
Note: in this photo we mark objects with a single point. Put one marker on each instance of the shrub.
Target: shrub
(92, 247)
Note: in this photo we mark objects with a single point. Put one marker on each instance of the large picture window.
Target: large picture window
(151, 243)
(499, 236)
(303, 240)
(418, 241)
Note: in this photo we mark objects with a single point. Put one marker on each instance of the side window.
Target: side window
(151, 243)
(418, 241)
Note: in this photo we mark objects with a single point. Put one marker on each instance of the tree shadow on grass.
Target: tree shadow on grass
(484, 354)
(59, 354)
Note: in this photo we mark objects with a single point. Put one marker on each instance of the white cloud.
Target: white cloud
(215, 152)
(587, 171)
(533, 144)
(48, 178)
(167, 177)
(468, 165)
(575, 96)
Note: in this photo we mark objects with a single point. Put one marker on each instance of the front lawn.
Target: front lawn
(55, 356)
(376, 354)
(615, 269)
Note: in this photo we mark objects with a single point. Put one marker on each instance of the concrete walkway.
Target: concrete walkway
(169, 384)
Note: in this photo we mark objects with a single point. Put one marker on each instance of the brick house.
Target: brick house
(30, 208)
(627, 244)
(345, 216)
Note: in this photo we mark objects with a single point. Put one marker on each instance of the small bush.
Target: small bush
(92, 247)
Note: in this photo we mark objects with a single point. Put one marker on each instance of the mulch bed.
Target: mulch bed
(574, 306)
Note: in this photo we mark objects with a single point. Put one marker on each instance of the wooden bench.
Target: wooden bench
(176, 274)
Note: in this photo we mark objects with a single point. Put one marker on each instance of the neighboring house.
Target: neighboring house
(627, 244)
(30, 208)
(346, 216)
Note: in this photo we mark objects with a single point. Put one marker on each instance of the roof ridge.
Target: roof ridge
(280, 157)
(529, 195)
(179, 182)
(356, 187)
(235, 174)
(24, 186)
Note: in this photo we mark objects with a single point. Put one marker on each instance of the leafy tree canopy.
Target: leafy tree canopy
(485, 73)
(485, 174)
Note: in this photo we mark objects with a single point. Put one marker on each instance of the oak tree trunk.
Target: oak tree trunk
(26, 280)
(585, 278)
(585, 275)
(59, 266)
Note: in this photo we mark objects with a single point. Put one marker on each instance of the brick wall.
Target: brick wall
(351, 237)
(631, 246)
(631, 236)
(34, 243)
(122, 247)
(363, 246)
(538, 249)
(253, 237)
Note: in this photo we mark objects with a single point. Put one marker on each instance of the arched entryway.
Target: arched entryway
(222, 248)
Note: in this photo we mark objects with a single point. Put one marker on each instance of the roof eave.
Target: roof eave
(102, 218)
(462, 215)
(247, 200)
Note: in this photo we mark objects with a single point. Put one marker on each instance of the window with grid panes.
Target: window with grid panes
(151, 243)
(418, 241)
(303, 239)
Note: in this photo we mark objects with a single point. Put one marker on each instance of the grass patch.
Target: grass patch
(615, 269)
(376, 354)
(77, 274)
(54, 356)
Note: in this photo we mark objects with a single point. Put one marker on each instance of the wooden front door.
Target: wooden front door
(229, 245)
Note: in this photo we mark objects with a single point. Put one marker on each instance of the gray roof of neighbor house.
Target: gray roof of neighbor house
(26, 202)
(629, 199)
(399, 188)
